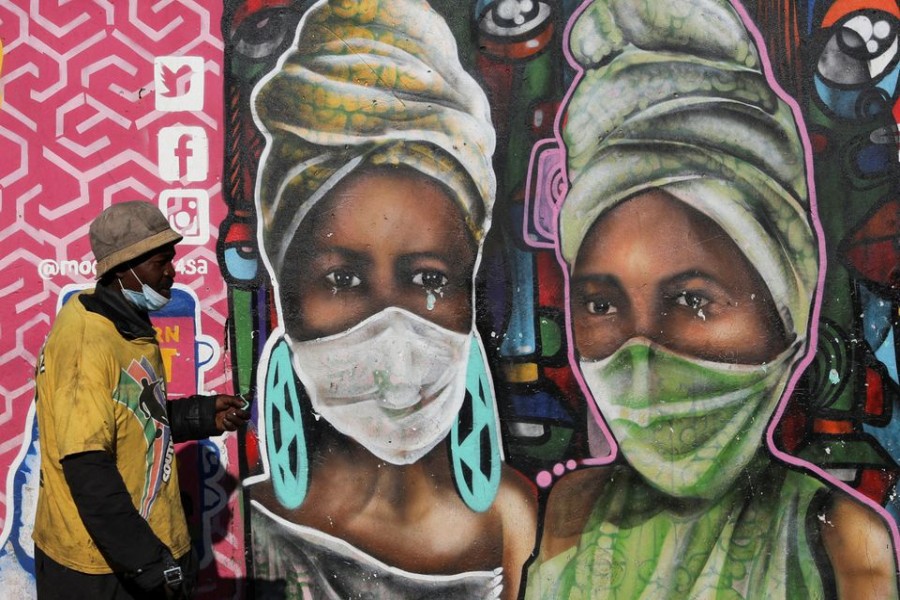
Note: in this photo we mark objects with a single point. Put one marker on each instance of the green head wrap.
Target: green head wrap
(369, 83)
(673, 97)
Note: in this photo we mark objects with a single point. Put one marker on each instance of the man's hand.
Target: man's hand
(229, 413)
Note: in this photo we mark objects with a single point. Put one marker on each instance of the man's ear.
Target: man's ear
(119, 274)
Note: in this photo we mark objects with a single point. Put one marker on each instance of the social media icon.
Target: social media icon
(183, 153)
(188, 214)
(179, 83)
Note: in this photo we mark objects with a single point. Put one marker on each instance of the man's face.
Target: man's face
(156, 270)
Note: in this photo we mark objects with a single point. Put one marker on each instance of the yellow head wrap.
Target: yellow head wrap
(371, 82)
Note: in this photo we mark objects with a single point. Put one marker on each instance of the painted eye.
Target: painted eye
(515, 18)
(691, 300)
(342, 279)
(432, 280)
(600, 307)
(862, 48)
(263, 34)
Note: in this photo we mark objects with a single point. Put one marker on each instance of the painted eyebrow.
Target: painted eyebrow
(603, 279)
(406, 259)
(317, 254)
(691, 274)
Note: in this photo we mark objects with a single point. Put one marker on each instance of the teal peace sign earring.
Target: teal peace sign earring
(285, 438)
(474, 442)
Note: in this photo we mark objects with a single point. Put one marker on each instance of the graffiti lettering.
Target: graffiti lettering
(49, 268)
(192, 266)
(167, 355)
(168, 333)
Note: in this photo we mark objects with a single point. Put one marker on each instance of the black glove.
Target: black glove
(168, 578)
(163, 571)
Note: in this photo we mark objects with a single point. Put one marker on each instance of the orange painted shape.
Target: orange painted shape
(839, 9)
(832, 427)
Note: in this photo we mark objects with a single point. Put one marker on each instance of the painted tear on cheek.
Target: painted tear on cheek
(431, 298)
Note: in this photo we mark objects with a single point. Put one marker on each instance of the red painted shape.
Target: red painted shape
(873, 250)
(876, 484)
(792, 428)
(251, 7)
(497, 79)
(874, 393)
(517, 50)
(251, 447)
(819, 142)
(550, 292)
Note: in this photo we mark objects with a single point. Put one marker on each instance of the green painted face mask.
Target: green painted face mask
(688, 426)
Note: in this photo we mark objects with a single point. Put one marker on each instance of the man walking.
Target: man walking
(109, 523)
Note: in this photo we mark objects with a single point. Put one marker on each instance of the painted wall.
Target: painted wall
(105, 102)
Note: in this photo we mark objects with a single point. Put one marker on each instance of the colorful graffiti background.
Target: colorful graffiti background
(104, 102)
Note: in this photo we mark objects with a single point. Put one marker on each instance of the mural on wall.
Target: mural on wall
(627, 266)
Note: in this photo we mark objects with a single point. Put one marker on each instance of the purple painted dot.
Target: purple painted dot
(544, 479)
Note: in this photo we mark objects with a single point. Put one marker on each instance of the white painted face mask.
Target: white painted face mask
(394, 383)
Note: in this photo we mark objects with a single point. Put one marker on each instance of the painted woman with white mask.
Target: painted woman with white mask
(692, 261)
(384, 475)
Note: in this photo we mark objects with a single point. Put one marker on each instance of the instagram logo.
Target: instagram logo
(188, 214)
(183, 153)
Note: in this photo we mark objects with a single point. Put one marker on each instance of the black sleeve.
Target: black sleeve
(108, 514)
(192, 418)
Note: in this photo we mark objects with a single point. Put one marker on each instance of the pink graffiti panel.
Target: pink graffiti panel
(104, 102)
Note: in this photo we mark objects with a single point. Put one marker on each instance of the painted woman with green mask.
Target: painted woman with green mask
(688, 238)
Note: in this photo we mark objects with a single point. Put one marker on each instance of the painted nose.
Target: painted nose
(651, 325)
(646, 321)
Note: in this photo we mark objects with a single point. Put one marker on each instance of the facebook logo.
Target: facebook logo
(183, 153)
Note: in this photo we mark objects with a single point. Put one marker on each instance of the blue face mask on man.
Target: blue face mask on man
(147, 299)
